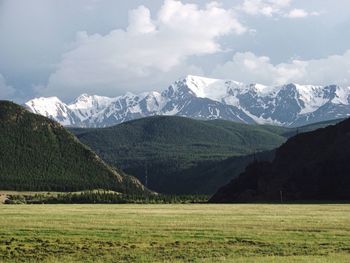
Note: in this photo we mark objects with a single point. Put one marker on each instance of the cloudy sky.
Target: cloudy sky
(64, 48)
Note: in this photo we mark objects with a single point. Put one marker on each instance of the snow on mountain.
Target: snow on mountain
(85, 105)
(206, 88)
(51, 107)
(205, 98)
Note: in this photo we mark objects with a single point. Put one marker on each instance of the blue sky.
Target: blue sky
(64, 48)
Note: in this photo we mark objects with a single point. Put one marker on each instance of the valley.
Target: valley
(169, 155)
(186, 156)
(174, 131)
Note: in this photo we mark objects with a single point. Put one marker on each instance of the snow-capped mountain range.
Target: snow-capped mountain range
(204, 98)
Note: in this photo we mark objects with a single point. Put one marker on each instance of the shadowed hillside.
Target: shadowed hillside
(309, 166)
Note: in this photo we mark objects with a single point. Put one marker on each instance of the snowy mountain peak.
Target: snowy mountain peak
(83, 96)
(263, 90)
(51, 107)
(202, 87)
(205, 98)
(206, 88)
(47, 105)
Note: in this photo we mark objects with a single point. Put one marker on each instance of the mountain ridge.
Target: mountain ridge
(289, 105)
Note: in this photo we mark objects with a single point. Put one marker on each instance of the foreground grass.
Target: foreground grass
(175, 233)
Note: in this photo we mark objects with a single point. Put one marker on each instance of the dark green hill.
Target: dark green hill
(38, 154)
(308, 167)
(168, 148)
(212, 173)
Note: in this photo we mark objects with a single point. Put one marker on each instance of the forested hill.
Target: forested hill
(310, 166)
(166, 147)
(37, 153)
(200, 137)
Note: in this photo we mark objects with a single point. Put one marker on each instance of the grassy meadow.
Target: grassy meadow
(175, 233)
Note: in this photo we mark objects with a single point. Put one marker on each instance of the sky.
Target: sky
(65, 48)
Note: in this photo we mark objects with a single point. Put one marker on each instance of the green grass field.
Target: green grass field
(175, 233)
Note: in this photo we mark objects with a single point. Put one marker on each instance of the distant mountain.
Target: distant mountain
(166, 147)
(38, 154)
(288, 105)
(310, 166)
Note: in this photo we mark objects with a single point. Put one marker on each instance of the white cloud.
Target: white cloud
(140, 21)
(274, 7)
(297, 13)
(6, 91)
(247, 67)
(301, 13)
(149, 49)
(264, 7)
